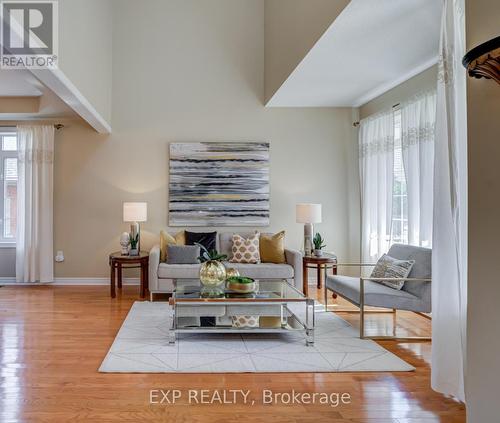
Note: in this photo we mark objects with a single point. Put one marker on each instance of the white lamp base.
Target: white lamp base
(308, 237)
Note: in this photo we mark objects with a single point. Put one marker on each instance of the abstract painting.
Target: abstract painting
(219, 184)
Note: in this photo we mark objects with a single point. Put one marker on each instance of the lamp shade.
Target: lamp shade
(135, 212)
(308, 213)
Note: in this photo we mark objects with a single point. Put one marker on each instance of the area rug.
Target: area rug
(141, 346)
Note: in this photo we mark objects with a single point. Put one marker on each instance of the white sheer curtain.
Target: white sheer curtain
(34, 240)
(418, 118)
(449, 258)
(376, 164)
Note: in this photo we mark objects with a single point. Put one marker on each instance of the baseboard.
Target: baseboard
(92, 281)
(71, 282)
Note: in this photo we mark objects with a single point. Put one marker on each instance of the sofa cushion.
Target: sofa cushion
(245, 250)
(256, 271)
(421, 269)
(263, 270)
(207, 239)
(181, 271)
(389, 267)
(167, 239)
(183, 254)
(226, 241)
(376, 295)
(272, 248)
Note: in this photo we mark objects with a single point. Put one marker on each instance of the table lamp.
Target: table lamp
(135, 213)
(308, 214)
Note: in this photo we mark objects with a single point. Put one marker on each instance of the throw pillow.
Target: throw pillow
(272, 248)
(245, 321)
(245, 250)
(182, 254)
(389, 267)
(207, 239)
(166, 239)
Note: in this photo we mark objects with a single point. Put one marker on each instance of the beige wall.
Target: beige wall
(424, 81)
(292, 27)
(483, 323)
(196, 74)
(85, 34)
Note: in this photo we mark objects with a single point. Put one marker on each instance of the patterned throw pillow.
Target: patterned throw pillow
(389, 267)
(245, 321)
(245, 250)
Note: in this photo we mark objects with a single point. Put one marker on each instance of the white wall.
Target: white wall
(85, 49)
(424, 81)
(292, 27)
(483, 320)
(193, 70)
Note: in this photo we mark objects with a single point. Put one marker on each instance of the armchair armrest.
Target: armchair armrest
(154, 262)
(396, 279)
(294, 259)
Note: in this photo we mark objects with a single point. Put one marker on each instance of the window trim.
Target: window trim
(400, 219)
(5, 242)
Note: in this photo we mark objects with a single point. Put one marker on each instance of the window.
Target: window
(8, 177)
(399, 230)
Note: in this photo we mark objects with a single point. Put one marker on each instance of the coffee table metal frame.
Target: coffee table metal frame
(290, 322)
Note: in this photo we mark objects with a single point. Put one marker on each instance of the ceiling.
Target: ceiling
(370, 48)
(18, 83)
(21, 84)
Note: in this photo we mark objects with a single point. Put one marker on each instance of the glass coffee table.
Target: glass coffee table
(193, 305)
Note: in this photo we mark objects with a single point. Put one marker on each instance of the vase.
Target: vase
(318, 253)
(212, 273)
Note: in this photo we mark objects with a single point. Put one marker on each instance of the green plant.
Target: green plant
(207, 255)
(133, 240)
(240, 279)
(318, 241)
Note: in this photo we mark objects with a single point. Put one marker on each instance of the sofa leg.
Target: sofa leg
(326, 298)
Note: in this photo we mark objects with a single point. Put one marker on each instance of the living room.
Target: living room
(191, 187)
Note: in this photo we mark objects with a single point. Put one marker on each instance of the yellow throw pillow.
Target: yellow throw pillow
(165, 239)
(272, 248)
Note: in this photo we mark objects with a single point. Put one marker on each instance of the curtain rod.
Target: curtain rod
(56, 126)
(356, 124)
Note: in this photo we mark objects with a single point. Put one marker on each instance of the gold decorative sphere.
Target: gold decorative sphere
(232, 272)
(212, 273)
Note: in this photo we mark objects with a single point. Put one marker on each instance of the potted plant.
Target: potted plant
(134, 242)
(318, 242)
(212, 271)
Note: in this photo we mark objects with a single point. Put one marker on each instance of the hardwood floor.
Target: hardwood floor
(53, 340)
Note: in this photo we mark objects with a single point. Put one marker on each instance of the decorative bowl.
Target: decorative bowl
(241, 284)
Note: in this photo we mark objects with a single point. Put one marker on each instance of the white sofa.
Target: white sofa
(162, 275)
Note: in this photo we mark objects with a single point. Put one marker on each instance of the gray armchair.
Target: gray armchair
(365, 291)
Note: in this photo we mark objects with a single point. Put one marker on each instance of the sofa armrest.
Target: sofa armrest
(154, 262)
(294, 259)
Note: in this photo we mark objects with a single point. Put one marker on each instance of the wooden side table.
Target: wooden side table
(118, 262)
(321, 264)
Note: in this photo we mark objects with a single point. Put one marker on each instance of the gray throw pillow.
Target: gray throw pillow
(182, 254)
(389, 267)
